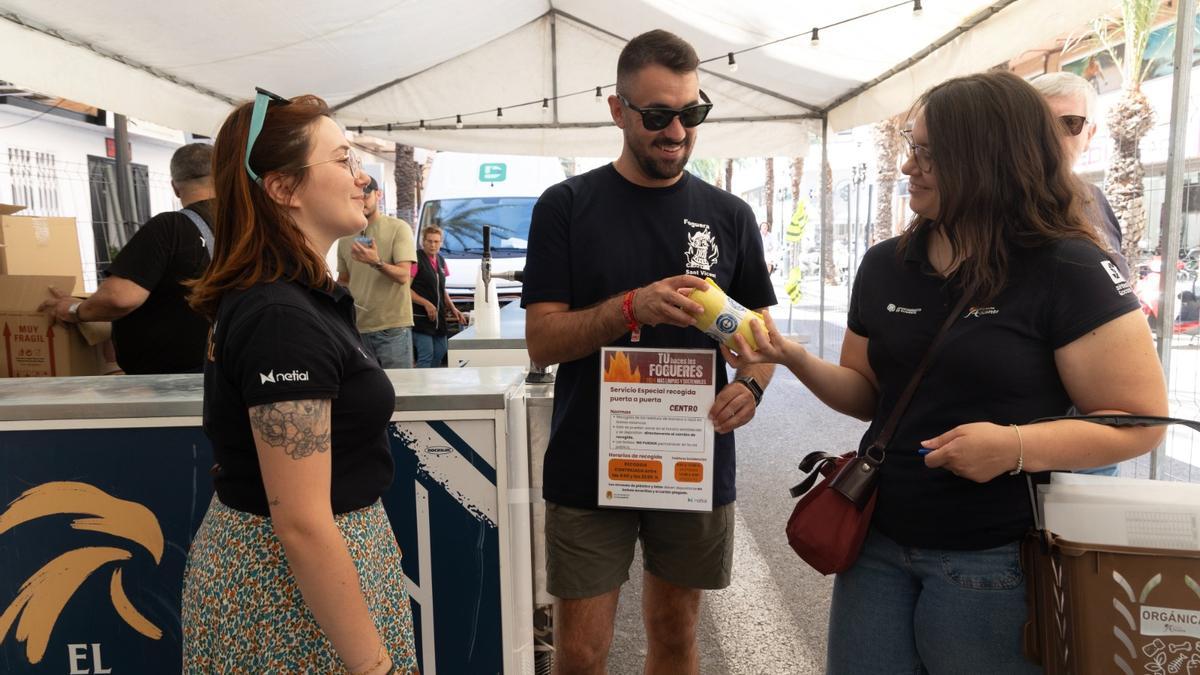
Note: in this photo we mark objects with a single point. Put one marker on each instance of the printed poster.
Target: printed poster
(656, 441)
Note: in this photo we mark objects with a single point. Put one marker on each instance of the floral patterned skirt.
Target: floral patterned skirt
(242, 609)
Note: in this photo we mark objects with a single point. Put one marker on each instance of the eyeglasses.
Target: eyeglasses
(657, 119)
(258, 115)
(351, 160)
(1073, 124)
(920, 153)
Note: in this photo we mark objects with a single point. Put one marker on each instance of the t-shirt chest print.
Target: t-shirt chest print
(702, 250)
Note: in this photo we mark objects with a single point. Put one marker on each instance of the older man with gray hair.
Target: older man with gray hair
(144, 294)
(1072, 99)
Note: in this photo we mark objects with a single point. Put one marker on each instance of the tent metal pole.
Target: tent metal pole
(826, 221)
(554, 64)
(1185, 19)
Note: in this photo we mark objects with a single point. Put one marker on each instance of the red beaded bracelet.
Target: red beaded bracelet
(635, 329)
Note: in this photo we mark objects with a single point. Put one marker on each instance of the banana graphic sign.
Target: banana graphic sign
(43, 595)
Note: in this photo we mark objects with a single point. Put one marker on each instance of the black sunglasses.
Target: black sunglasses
(657, 119)
(1073, 124)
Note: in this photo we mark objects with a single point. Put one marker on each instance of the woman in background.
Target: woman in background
(431, 301)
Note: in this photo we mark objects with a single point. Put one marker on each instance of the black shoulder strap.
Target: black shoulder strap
(1110, 421)
(1125, 420)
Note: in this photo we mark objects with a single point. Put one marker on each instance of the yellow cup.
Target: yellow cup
(724, 317)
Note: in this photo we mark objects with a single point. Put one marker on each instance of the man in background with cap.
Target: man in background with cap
(376, 265)
(144, 296)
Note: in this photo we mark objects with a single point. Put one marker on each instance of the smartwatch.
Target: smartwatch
(753, 386)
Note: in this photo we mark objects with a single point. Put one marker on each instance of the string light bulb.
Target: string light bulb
(599, 96)
(389, 127)
(499, 113)
(360, 130)
(816, 37)
(545, 105)
(458, 121)
(917, 8)
(732, 63)
(421, 126)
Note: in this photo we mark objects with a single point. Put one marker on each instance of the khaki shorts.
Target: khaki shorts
(589, 551)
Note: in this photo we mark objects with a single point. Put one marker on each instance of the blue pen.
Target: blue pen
(924, 451)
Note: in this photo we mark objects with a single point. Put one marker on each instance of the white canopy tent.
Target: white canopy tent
(385, 65)
(381, 62)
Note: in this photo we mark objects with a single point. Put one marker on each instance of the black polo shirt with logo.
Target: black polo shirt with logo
(284, 341)
(596, 235)
(996, 365)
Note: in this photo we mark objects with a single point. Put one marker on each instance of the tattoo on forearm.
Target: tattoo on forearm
(299, 427)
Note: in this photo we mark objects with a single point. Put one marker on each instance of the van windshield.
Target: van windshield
(462, 221)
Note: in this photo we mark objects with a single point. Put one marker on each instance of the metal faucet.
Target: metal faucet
(485, 262)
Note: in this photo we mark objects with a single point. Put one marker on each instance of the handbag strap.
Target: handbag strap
(889, 427)
(1110, 421)
(1125, 420)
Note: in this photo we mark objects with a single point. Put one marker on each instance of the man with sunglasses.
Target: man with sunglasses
(613, 257)
(376, 265)
(1072, 100)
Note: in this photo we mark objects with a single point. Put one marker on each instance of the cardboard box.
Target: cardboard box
(37, 245)
(1112, 609)
(31, 345)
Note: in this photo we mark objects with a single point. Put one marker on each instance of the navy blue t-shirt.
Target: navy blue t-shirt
(1108, 227)
(995, 365)
(596, 235)
(283, 341)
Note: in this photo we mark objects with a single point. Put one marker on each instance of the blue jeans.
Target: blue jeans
(392, 346)
(1109, 470)
(431, 349)
(912, 610)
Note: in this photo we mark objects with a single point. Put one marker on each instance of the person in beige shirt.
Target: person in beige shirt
(376, 265)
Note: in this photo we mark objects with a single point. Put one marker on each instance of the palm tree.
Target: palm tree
(887, 159)
(729, 175)
(831, 272)
(407, 175)
(1131, 118)
(769, 193)
(797, 173)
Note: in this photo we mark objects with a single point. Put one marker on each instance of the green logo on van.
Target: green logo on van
(492, 173)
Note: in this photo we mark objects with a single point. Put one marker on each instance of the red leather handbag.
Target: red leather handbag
(829, 523)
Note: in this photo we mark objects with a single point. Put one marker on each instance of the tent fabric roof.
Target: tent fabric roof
(381, 62)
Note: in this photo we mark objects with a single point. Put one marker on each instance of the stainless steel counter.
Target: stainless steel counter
(127, 396)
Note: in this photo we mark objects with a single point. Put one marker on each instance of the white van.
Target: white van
(465, 192)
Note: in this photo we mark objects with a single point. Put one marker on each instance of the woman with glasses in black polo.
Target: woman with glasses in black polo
(295, 568)
(938, 586)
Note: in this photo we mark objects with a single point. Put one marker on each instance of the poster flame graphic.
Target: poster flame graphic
(44, 595)
(619, 370)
